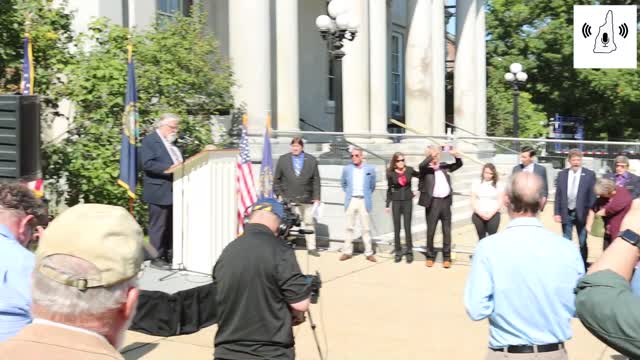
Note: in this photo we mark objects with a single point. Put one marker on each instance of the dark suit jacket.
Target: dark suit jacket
(301, 189)
(397, 192)
(540, 171)
(585, 196)
(157, 186)
(428, 180)
(632, 184)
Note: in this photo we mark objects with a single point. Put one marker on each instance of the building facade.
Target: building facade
(395, 67)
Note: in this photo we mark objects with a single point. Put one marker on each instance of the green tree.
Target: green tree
(179, 70)
(538, 34)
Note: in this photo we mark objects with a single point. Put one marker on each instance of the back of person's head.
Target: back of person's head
(604, 187)
(268, 212)
(86, 270)
(20, 210)
(524, 194)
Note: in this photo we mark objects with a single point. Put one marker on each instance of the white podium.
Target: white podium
(204, 209)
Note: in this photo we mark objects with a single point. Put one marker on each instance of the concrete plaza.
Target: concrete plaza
(381, 311)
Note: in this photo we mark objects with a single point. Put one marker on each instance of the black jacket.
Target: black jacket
(585, 196)
(428, 180)
(538, 170)
(397, 192)
(157, 186)
(300, 189)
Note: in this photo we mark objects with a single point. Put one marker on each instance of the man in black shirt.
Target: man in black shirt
(260, 291)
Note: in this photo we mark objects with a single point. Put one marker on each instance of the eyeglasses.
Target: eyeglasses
(399, 160)
(621, 165)
(355, 155)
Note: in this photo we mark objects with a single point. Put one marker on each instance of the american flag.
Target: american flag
(244, 179)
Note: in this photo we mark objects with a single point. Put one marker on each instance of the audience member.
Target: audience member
(612, 204)
(622, 176)
(527, 154)
(399, 196)
(486, 201)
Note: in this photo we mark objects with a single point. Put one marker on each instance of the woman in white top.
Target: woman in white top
(486, 201)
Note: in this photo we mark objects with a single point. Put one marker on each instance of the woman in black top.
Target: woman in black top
(399, 194)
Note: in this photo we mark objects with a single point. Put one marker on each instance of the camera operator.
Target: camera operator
(604, 301)
(260, 290)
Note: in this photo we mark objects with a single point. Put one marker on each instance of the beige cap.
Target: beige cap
(104, 235)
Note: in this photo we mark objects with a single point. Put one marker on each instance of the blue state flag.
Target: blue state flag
(266, 167)
(26, 85)
(128, 151)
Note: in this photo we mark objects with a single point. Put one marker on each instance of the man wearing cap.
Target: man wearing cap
(84, 286)
(260, 290)
(19, 213)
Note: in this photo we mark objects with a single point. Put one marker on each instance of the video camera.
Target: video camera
(315, 283)
(290, 220)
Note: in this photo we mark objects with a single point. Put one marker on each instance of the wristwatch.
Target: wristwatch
(631, 237)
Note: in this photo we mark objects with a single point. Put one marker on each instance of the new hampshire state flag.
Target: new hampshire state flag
(128, 172)
(266, 167)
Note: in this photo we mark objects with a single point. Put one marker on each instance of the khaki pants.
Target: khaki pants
(551, 355)
(306, 215)
(355, 210)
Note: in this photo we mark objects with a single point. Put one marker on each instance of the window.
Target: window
(397, 73)
(168, 9)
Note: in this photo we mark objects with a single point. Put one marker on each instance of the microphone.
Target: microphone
(605, 39)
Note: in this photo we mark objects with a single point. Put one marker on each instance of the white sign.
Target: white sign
(604, 37)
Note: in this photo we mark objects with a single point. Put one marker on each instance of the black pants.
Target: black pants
(486, 227)
(161, 228)
(402, 208)
(440, 210)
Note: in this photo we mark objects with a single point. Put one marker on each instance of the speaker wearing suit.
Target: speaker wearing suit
(574, 198)
(526, 164)
(436, 197)
(297, 179)
(158, 154)
(622, 176)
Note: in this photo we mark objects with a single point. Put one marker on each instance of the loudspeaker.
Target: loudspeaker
(20, 137)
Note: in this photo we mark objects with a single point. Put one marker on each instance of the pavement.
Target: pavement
(383, 310)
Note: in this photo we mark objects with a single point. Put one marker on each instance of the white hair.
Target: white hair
(166, 118)
(71, 303)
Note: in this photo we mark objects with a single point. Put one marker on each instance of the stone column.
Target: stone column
(438, 68)
(355, 72)
(378, 71)
(418, 61)
(288, 98)
(481, 71)
(250, 55)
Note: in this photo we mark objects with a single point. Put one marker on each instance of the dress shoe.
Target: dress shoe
(429, 263)
(409, 258)
(160, 264)
(446, 264)
(372, 258)
(345, 257)
(314, 252)
(398, 258)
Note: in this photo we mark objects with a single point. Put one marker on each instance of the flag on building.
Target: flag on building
(128, 151)
(244, 178)
(26, 85)
(266, 167)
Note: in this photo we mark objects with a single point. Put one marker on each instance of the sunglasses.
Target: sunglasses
(399, 160)
(355, 155)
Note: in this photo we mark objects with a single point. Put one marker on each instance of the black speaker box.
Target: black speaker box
(20, 137)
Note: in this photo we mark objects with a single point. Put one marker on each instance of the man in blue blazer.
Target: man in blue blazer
(526, 164)
(574, 198)
(358, 183)
(158, 153)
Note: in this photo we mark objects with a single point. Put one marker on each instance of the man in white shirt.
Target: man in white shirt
(84, 286)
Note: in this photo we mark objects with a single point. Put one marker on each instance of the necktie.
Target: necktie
(297, 168)
(573, 191)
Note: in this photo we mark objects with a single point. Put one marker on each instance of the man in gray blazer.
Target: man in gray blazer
(526, 164)
(297, 180)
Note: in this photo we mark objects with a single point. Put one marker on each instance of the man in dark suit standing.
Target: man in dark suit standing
(158, 154)
(436, 197)
(574, 198)
(622, 176)
(526, 164)
(297, 179)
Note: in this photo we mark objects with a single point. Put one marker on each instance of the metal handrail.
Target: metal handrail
(495, 143)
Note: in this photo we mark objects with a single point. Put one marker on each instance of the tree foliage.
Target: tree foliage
(178, 69)
(538, 34)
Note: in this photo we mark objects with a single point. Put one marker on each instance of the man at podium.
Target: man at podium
(158, 154)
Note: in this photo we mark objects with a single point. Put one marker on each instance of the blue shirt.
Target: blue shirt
(16, 265)
(298, 163)
(522, 279)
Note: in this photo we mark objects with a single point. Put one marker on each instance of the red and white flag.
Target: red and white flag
(37, 186)
(245, 184)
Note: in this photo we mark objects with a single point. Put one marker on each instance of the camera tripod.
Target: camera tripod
(315, 334)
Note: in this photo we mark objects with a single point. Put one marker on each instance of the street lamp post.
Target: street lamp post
(336, 28)
(517, 78)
